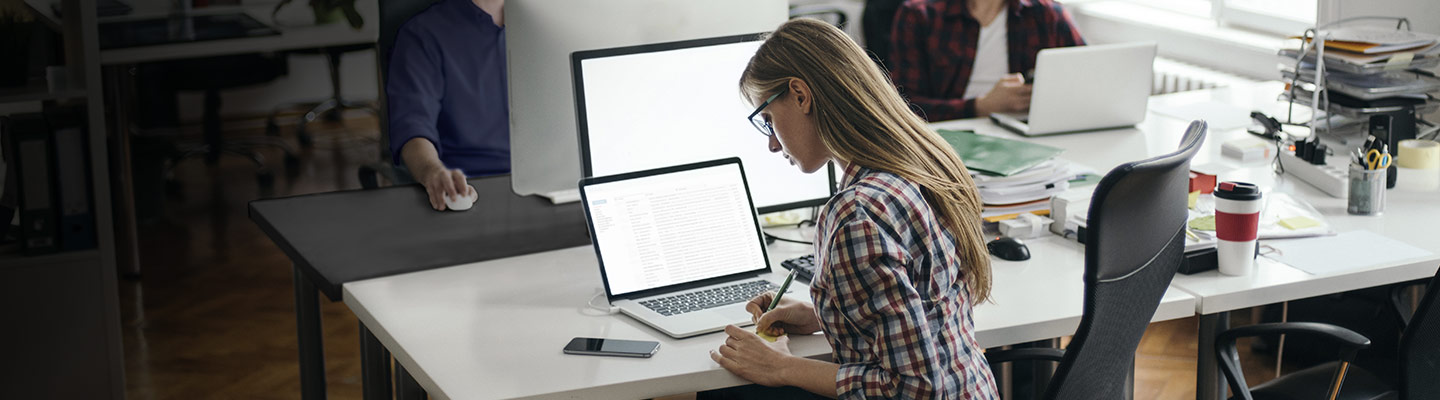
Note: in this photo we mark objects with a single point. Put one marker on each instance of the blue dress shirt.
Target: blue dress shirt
(447, 84)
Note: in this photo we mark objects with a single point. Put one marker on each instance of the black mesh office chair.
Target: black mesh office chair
(1134, 245)
(1419, 358)
(210, 75)
(393, 15)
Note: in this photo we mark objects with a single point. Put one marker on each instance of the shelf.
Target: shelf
(37, 91)
(13, 261)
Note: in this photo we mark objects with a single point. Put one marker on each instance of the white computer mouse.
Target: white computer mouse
(461, 203)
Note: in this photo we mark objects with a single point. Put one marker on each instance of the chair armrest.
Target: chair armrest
(1011, 355)
(1349, 341)
(1342, 336)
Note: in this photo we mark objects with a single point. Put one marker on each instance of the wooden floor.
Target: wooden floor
(212, 315)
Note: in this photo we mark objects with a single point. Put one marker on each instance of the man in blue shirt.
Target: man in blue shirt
(446, 90)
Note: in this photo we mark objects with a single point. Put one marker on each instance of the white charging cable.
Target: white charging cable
(605, 308)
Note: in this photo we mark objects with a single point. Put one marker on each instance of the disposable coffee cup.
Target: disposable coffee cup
(1237, 222)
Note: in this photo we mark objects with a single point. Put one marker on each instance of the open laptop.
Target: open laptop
(680, 248)
(1086, 88)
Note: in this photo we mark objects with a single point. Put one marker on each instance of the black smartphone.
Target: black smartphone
(612, 347)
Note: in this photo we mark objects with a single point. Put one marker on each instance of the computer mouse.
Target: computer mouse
(1010, 249)
(461, 203)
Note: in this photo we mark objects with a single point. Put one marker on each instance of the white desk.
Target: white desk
(494, 329)
(1409, 216)
(450, 327)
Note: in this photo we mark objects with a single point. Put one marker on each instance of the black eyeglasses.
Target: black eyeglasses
(760, 122)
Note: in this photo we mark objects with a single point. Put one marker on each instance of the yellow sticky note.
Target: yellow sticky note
(1302, 222)
(767, 337)
(1194, 197)
(1205, 223)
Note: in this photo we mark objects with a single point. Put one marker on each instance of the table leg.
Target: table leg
(307, 325)
(374, 366)
(406, 388)
(120, 84)
(1130, 381)
(1209, 382)
(1042, 371)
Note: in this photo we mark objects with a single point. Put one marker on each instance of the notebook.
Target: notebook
(997, 156)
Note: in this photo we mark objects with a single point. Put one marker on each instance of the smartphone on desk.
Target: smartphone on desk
(612, 347)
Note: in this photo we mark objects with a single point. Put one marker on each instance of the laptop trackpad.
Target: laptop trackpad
(735, 314)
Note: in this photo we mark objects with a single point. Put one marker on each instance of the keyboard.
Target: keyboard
(709, 298)
(804, 267)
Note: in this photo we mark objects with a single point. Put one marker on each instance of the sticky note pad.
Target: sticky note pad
(1302, 222)
(1194, 197)
(767, 337)
(1205, 223)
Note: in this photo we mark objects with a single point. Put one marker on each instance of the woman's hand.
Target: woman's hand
(791, 316)
(441, 183)
(1010, 94)
(753, 358)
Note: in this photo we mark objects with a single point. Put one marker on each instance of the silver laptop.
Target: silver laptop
(1086, 88)
(680, 248)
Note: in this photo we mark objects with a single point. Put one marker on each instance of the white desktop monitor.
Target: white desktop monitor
(541, 34)
(658, 105)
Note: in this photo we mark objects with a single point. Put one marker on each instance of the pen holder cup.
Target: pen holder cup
(1367, 190)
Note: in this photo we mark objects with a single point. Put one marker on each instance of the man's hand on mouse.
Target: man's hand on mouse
(440, 182)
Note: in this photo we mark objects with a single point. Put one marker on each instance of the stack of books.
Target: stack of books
(1014, 177)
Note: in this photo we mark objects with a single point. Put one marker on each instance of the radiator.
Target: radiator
(1174, 76)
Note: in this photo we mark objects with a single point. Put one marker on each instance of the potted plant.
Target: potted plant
(16, 26)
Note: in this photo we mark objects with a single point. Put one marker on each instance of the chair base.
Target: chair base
(1312, 383)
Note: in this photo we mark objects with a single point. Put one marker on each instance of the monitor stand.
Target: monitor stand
(562, 196)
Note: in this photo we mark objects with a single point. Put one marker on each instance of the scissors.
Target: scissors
(1377, 160)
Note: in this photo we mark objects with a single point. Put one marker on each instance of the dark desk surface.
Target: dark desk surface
(347, 236)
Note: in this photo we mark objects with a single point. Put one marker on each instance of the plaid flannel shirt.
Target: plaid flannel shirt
(934, 42)
(891, 298)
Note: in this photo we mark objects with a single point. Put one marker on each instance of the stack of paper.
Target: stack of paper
(1367, 50)
(1027, 191)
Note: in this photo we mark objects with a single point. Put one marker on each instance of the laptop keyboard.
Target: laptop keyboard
(709, 298)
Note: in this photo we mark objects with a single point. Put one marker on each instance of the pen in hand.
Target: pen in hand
(783, 287)
(775, 302)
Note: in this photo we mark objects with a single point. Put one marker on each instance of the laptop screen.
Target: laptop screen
(673, 226)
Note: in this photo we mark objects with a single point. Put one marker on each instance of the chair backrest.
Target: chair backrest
(1420, 347)
(876, 22)
(393, 15)
(1134, 244)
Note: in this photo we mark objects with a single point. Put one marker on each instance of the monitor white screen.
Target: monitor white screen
(646, 108)
(540, 37)
(673, 228)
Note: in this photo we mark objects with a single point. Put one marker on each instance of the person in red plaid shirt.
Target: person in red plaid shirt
(964, 58)
(899, 250)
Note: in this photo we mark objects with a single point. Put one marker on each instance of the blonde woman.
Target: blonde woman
(899, 246)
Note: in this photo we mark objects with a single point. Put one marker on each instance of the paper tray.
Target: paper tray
(1302, 97)
(1421, 61)
(1371, 87)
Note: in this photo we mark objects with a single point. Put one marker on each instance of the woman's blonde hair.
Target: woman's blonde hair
(862, 120)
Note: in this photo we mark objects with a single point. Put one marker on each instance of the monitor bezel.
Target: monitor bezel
(581, 128)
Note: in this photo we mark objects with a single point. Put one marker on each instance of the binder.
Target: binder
(39, 228)
(77, 216)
